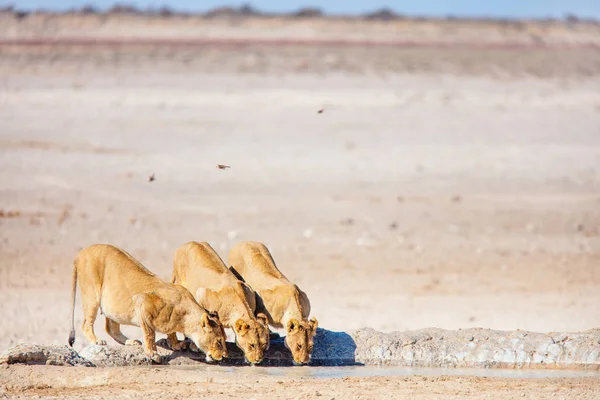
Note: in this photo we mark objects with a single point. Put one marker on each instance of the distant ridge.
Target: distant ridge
(382, 14)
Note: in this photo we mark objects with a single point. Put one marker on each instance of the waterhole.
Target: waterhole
(372, 371)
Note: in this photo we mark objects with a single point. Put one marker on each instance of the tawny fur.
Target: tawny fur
(198, 268)
(284, 303)
(128, 294)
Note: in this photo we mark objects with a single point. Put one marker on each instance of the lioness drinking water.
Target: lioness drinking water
(198, 268)
(284, 303)
(127, 293)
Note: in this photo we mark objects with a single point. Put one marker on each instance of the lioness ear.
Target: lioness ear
(293, 325)
(241, 327)
(206, 321)
(262, 318)
(313, 323)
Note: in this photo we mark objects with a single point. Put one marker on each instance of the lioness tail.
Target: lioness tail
(73, 294)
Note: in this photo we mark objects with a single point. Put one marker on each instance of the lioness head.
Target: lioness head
(252, 336)
(299, 339)
(208, 335)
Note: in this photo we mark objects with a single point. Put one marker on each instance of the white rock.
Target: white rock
(367, 240)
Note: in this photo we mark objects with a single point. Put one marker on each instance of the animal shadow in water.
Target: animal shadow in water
(332, 349)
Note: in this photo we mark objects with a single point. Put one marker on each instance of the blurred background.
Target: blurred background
(409, 164)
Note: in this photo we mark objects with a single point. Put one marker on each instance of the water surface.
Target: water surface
(370, 371)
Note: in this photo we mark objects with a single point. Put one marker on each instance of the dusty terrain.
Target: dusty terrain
(253, 383)
(440, 187)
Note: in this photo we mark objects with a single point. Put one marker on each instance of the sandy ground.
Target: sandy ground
(438, 188)
(77, 383)
(133, 383)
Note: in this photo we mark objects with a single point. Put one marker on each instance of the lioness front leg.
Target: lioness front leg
(174, 343)
(114, 330)
(143, 306)
(150, 343)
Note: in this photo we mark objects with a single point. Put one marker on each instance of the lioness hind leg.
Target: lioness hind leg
(90, 310)
(114, 330)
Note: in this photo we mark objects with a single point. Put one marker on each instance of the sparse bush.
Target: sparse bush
(88, 10)
(384, 14)
(123, 9)
(247, 10)
(165, 11)
(572, 18)
(21, 14)
(9, 8)
(220, 12)
(308, 12)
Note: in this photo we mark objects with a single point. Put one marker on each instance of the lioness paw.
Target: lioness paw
(179, 346)
(155, 357)
(133, 342)
(101, 342)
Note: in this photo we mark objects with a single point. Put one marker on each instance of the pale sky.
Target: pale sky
(476, 8)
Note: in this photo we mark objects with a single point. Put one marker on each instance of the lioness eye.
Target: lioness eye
(252, 345)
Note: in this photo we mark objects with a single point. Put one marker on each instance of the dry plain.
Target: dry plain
(441, 186)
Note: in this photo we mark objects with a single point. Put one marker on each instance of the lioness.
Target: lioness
(284, 303)
(129, 294)
(199, 269)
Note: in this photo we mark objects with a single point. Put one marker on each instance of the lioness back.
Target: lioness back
(253, 261)
(116, 278)
(215, 273)
(101, 256)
